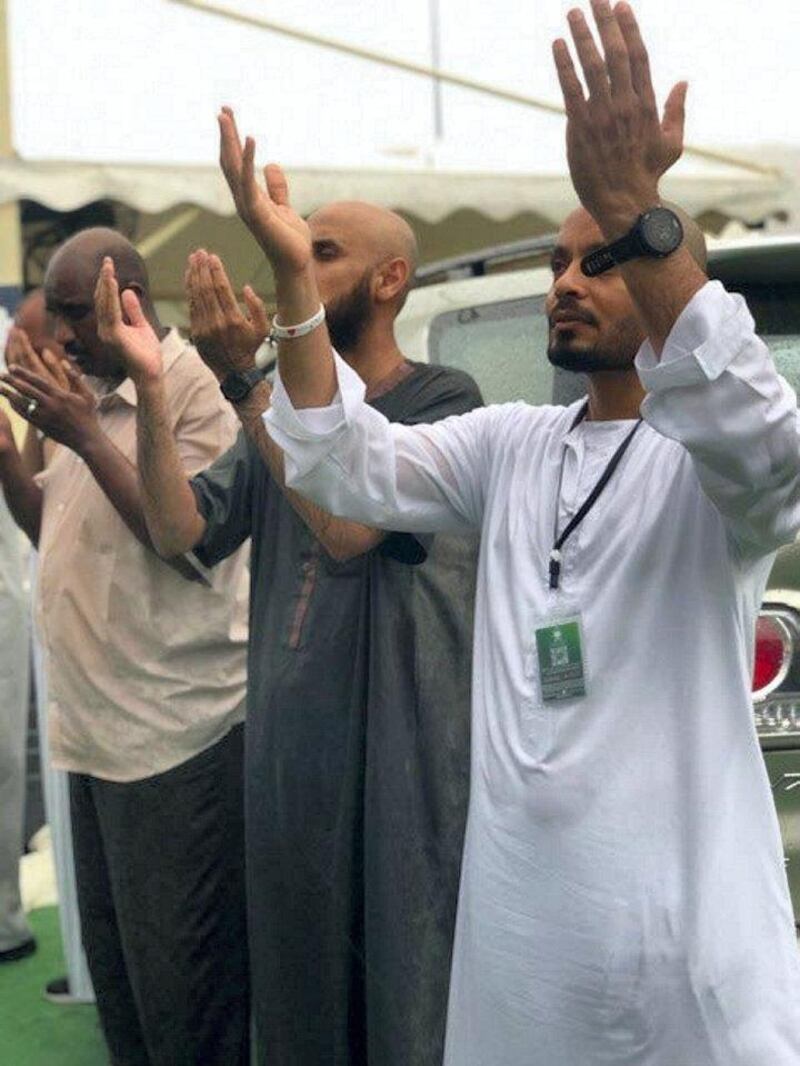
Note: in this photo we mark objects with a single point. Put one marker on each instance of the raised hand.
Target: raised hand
(226, 338)
(134, 341)
(283, 235)
(64, 413)
(20, 352)
(617, 145)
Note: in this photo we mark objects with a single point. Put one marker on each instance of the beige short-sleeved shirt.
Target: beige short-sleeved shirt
(145, 668)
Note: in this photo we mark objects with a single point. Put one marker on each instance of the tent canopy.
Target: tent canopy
(427, 195)
(173, 209)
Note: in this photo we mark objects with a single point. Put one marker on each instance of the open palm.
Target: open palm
(134, 341)
(265, 210)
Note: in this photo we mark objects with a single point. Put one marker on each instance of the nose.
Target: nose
(571, 281)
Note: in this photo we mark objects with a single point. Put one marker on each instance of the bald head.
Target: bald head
(378, 234)
(82, 256)
(69, 286)
(365, 258)
(385, 232)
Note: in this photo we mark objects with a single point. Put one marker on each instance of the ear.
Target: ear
(391, 278)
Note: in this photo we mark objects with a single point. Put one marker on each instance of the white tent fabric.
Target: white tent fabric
(427, 195)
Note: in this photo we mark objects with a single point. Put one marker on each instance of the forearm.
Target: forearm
(306, 363)
(341, 539)
(116, 476)
(661, 289)
(23, 495)
(169, 505)
(32, 454)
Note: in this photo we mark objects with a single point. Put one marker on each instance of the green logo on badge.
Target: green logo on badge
(561, 661)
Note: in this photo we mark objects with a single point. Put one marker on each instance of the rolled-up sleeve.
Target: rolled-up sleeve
(351, 460)
(717, 392)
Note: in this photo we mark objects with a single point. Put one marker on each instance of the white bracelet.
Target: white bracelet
(289, 333)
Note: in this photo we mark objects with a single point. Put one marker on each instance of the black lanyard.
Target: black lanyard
(589, 502)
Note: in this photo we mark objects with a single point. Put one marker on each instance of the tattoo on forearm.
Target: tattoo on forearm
(336, 534)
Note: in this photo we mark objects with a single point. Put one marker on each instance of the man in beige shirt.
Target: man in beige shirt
(146, 668)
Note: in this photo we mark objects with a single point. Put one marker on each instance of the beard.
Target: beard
(613, 352)
(348, 315)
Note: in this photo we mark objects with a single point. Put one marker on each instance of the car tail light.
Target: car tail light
(774, 649)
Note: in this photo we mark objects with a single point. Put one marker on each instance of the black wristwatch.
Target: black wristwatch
(238, 385)
(657, 234)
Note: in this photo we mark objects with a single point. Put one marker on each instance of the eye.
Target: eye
(558, 266)
(71, 312)
(325, 251)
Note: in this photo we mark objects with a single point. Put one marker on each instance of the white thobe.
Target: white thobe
(623, 895)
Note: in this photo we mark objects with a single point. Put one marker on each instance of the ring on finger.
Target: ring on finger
(32, 407)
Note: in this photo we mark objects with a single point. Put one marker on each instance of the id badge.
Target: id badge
(559, 650)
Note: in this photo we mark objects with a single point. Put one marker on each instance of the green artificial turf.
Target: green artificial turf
(34, 1032)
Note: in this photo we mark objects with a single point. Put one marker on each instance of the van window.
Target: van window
(786, 353)
(503, 346)
(776, 310)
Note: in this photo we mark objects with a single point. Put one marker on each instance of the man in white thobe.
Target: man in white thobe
(623, 898)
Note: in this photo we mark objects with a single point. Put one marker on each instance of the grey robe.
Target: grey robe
(357, 762)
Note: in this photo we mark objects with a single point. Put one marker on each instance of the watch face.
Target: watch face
(238, 385)
(661, 231)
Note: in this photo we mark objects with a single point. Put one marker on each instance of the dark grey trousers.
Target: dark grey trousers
(160, 874)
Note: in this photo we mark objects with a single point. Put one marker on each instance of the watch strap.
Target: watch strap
(611, 255)
(238, 384)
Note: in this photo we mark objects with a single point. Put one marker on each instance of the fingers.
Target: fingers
(230, 153)
(23, 353)
(106, 300)
(674, 120)
(230, 144)
(571, 88)
(592, 64)
(132, 308)
(618, 64)
(641, 77)
(18, 403)
(224, 297)
(257, 311)
(197, 322)
(25, 380)
(76, 381)
(249, 185)
(206, 294)
(29, 385)
(277, 185)
(199, 288)
(55, 367)
(13, 352)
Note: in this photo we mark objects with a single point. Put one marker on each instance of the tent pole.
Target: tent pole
(149, 245)
(10, 230)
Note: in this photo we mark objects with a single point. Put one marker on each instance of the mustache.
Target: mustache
(570, 309)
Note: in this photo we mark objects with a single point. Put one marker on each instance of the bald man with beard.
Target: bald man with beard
(356, 747)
